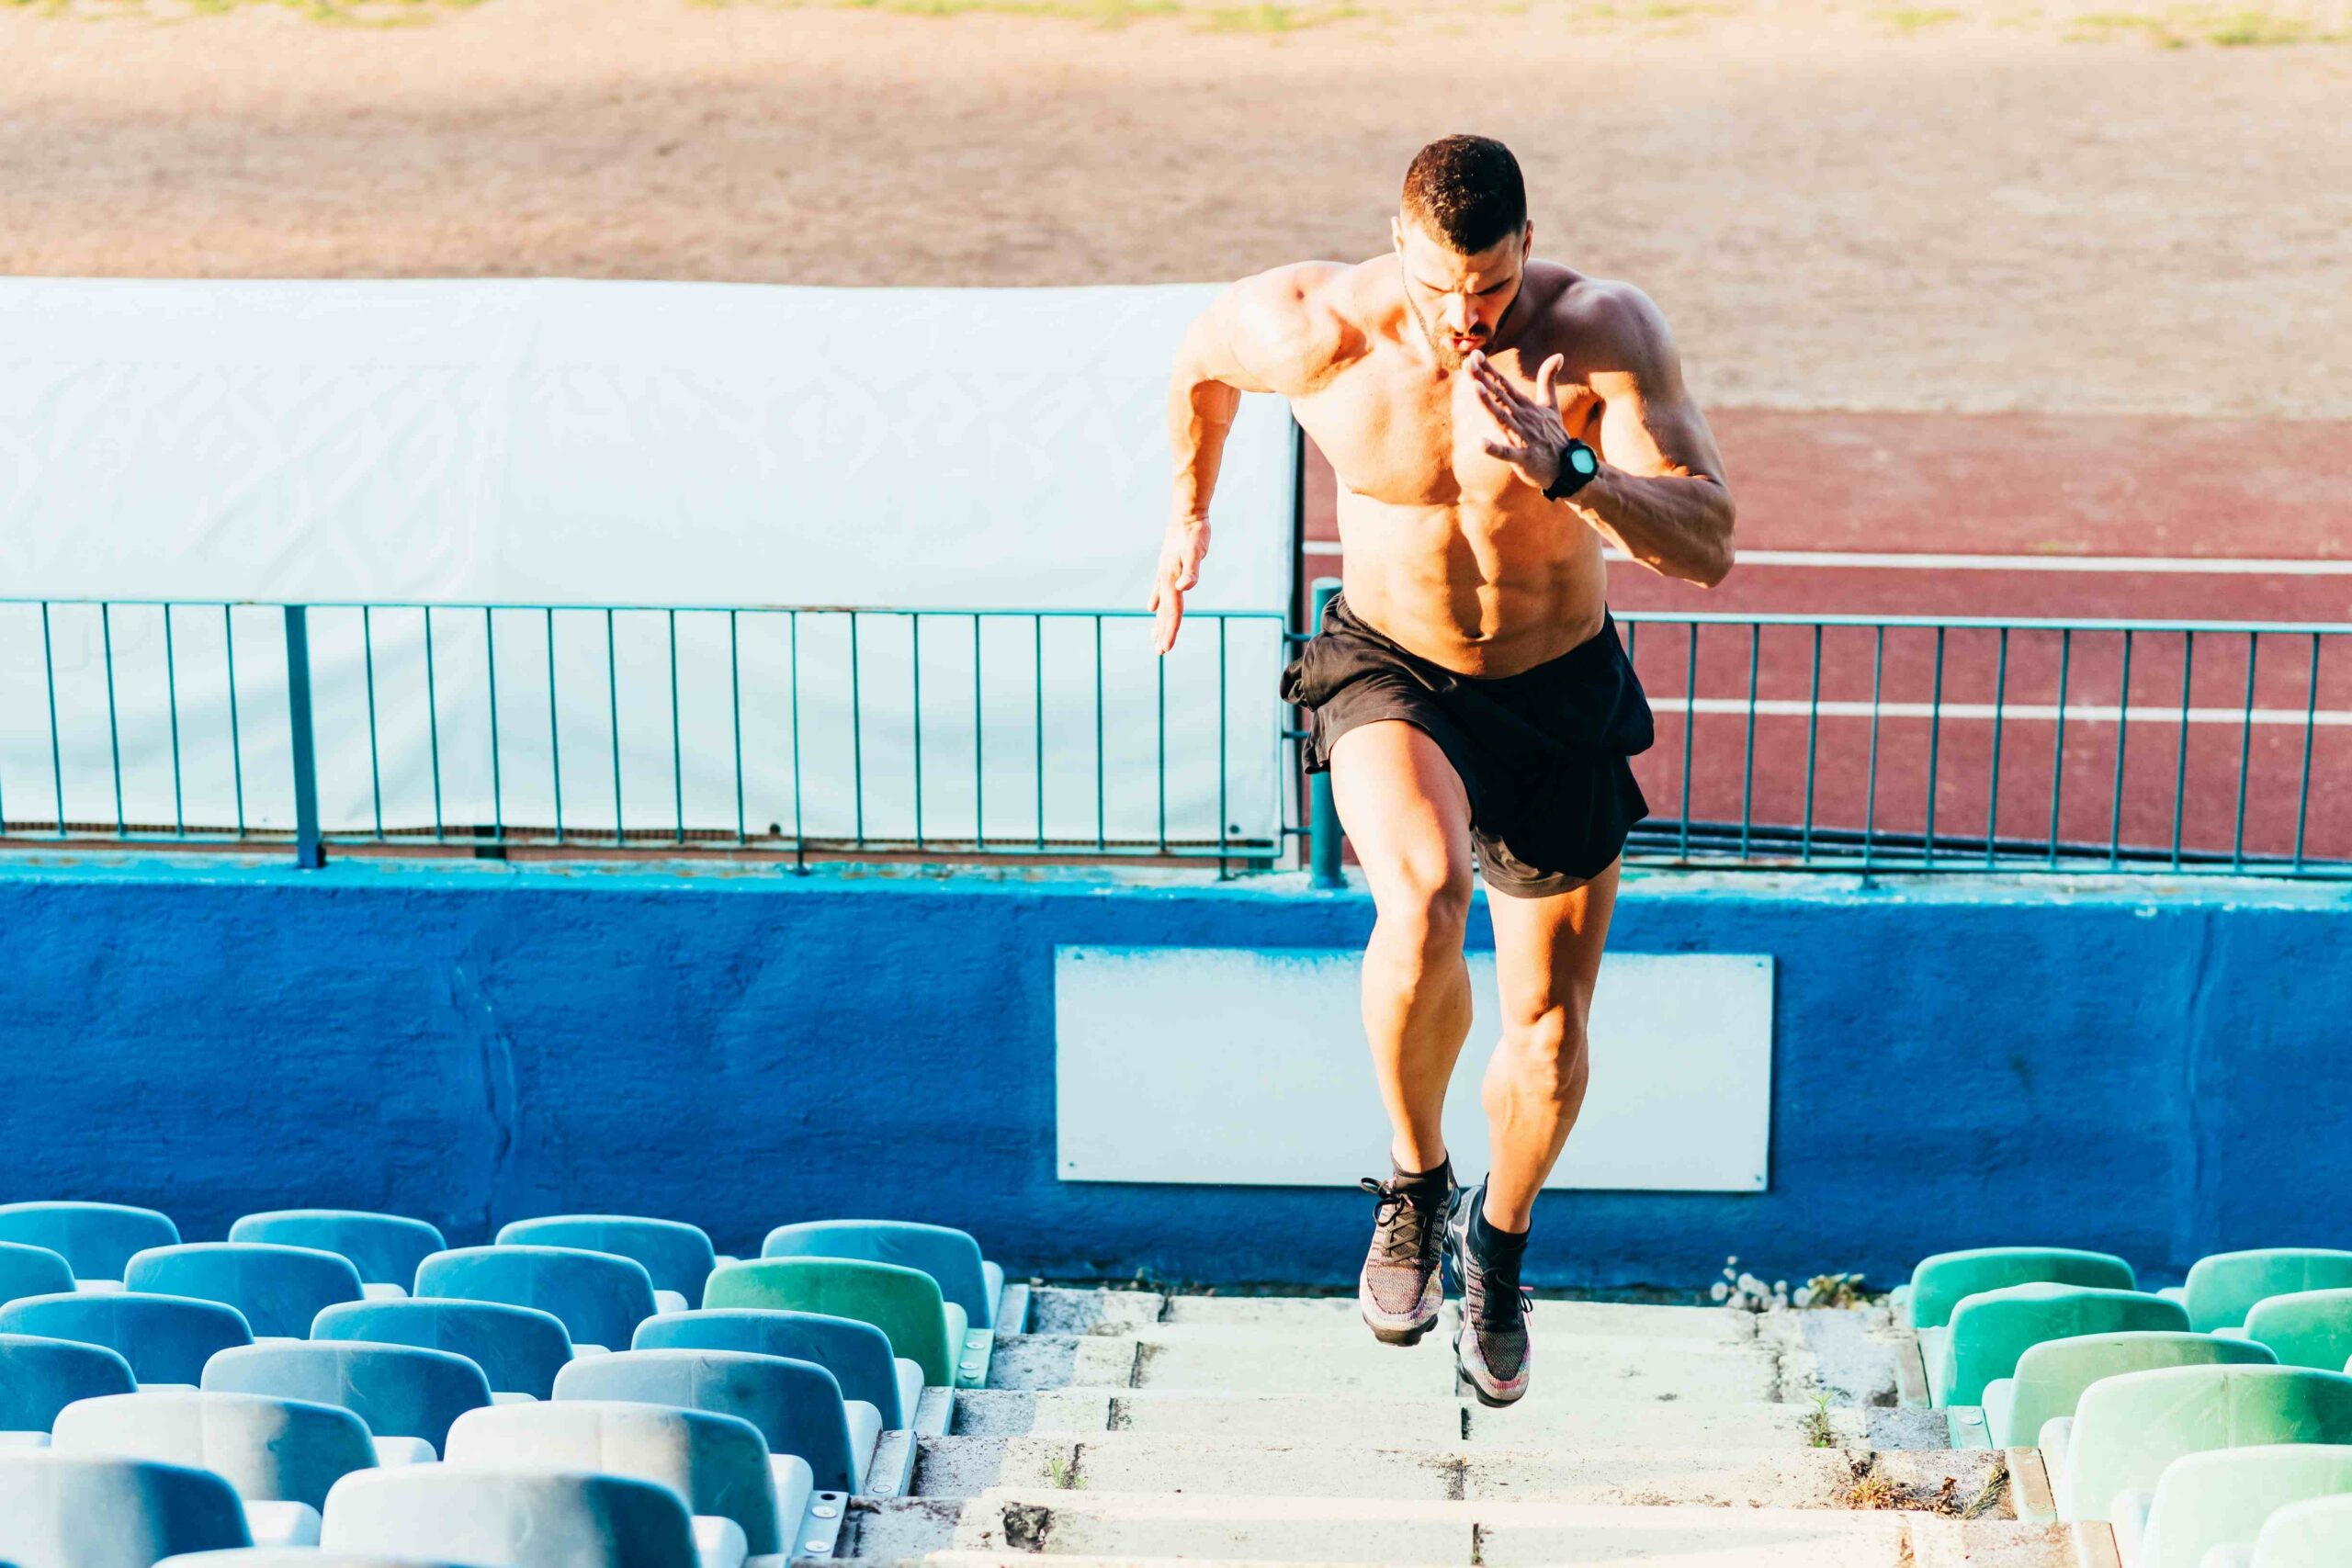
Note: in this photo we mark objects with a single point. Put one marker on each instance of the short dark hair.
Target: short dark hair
(1466, 191)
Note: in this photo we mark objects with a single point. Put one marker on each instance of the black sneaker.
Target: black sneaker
(1491, 1346)
(1399, 1290)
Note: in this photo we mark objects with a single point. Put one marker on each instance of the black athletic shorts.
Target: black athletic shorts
(1543, 754)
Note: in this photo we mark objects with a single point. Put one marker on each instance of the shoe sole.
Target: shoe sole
(1455, 1259)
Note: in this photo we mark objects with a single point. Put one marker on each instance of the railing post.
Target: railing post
(1323, 813)
(307, 853)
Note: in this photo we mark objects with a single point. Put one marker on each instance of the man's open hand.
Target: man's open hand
(1536, 435)
(1180, 570)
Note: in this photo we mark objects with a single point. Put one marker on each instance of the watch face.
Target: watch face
(1583, 461)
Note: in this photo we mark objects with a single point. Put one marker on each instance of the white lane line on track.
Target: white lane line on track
(2176, 566)
(2091, 713)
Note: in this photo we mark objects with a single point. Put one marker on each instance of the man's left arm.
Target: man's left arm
(1659, 495)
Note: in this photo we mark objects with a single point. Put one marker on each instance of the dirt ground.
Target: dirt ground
(1913, 209)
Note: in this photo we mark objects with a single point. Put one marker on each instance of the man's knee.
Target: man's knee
(1543, 1052)
(1431, 894)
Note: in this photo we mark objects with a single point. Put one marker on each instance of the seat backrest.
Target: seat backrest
(904, 1303)
(165, 1338)
(2223, 1287)
(599, 1296)
(1991, 1329)
(280, 1288)
(797, 1406)
(513, 1518)
(81, 1511)
(2307, 1328)
(857, 1354)
(2128, 1428)
(399, 1391)
(719, 1463)
(2317, 1534)
(2222, 1497)
(1941, 1283)
(33, 1271)
(270, 1449)
(94, 1239)
(678, 1255)
(385, 1249)
(2050, 1376)
(296, 1557)
(40, 1377)
(519, 1350)
(950, 1257)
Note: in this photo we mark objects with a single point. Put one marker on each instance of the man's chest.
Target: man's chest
(1398, 432)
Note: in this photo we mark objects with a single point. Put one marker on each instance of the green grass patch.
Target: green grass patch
(1916, 18)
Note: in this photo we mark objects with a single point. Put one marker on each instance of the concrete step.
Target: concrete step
(1545, 1418)
(1322, 1313)
(1497, 1534)
(1129, 1461)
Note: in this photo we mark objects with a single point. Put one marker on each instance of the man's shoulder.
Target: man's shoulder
(1594, 321)
(1312, 316)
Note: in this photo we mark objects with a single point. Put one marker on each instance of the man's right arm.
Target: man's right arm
(1264, 333)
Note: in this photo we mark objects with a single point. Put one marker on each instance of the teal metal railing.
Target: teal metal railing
(793, 733)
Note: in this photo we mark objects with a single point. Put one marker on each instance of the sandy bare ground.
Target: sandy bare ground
(1861, 210)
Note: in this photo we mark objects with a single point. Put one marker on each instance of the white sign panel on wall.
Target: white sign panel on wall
(1234, 1066)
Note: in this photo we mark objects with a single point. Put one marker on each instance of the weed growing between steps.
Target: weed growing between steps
(1872, 1488)
(1817, 1430)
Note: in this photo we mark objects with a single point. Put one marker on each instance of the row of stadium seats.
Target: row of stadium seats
(2210, 1425)
(338, 1409)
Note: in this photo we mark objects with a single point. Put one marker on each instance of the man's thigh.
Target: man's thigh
(1547, 950)
(1404, 809)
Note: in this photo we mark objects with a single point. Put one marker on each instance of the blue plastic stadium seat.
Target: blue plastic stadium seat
(94, 1239)
(165, 1338)
(297, 1557)
(280, 1288)
(2223, 1288)
(1941, 1283)
(857, 1354)
(385, 1249)
(398, 1390)
(600, 1297)
(519, 1350)
(75, 1511)
(1989, 1330)
(797, 1406)
(33, 1271)
(718, 1463)
(270, 1449)
(40, 1377)
(510, 1519)
(679, 1257)
(950, 1257)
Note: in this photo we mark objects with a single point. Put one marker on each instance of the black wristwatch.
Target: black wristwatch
(1580, 465)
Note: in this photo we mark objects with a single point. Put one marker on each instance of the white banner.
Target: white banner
(558, 443)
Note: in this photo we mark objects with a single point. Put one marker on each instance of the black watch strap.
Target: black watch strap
(1578, 466)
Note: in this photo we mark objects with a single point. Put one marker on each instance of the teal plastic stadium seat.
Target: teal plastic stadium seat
(75, 1511)
(297, 1557)
(950, 1257)
(510, 1519)
(165, 1338)
(280, 1288)
(601, 1297)
(795, 1405)
(2223, 1288)
(271, 1451)
(2317, 1534)
(1991, 1329)
(718, 1463)
(857, 1354)
(2222, 1497)
(904, 1303)
(398, 1390)
(1941, 1283)
(385, 1249)
(2307, 1328)
(33, 1271)
(2126, 1429)
(519, 1350)
(2050, 1376)
(94, 1239)
(40, 1377)
(679, 1257)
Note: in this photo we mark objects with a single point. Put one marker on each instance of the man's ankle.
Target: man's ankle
(1439, 1176)
(1494, 1246)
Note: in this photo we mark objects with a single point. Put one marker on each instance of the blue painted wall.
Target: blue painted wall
(2161, 1069)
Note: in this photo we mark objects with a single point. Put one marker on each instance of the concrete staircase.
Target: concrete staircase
(1129, 1427)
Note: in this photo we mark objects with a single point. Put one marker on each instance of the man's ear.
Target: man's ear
(1397, 233)
(1527, 245)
